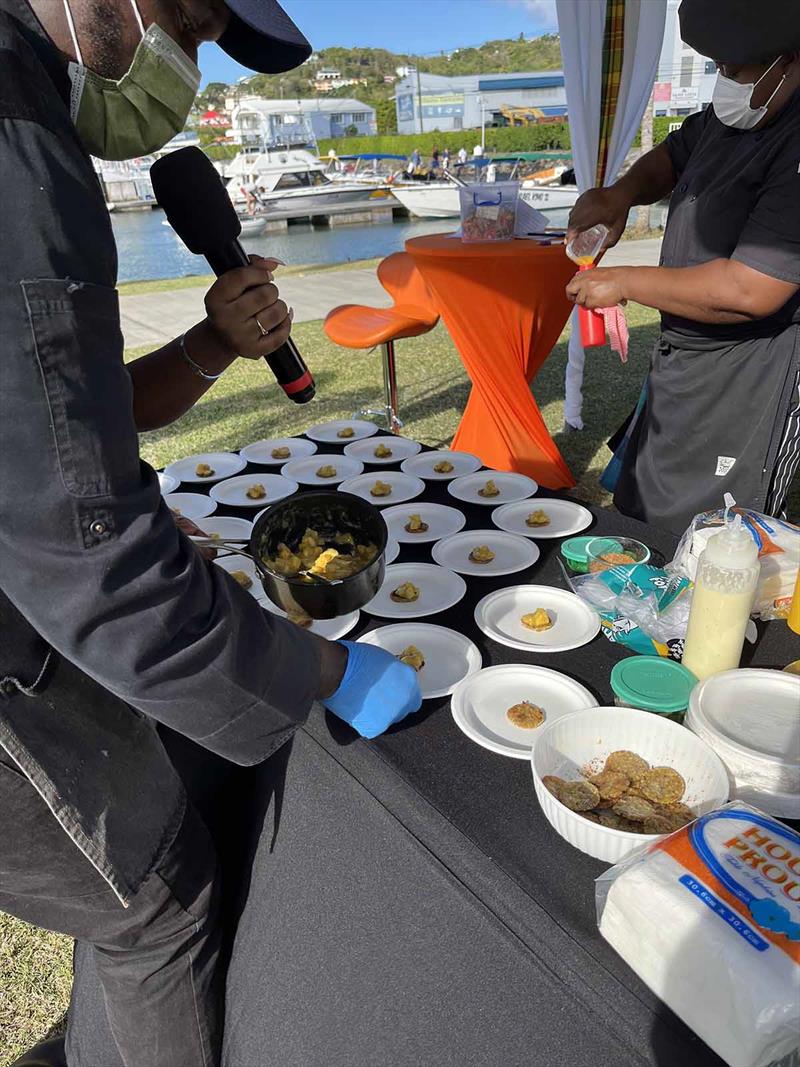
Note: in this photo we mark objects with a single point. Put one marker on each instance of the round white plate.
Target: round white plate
(449, 656)
(480, 703)
(227, 527)
(438, 590)
(392, 551)
(574, 622)
(512, 487)
(330, 629)
(401, 448)
(191, 505)
(167, 483)
(512, 553)
(242, 563)
(224, 465)
(441, 519)
(233, 492)
(261, 451)
(404, 487)
(566, 518)
(422, 466)
(305, 470)
(327, 433)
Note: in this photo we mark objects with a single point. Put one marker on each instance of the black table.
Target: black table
(404, 902)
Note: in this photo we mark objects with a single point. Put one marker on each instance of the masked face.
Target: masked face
(145, 108)
(731, 100)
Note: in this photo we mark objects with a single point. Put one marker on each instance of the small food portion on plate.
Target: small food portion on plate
(406, 593)
(481, 554)
(284, 452)
(412, 657)
(203, 470)
(538, 518)
(538, 620)
(415, 525)
(382, 452)
(244, 579)
(326, 471)
(256, 492)
(525, 715)
(490, 489)
(380, 488)
(444, 466)
(345, 432)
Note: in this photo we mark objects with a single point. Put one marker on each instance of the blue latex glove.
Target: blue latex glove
(376, 690)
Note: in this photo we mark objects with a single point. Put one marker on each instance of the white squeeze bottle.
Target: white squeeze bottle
(724, 591)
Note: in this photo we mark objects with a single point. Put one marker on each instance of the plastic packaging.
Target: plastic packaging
(794, 610)
(778, 545)
(724, 589)
(709, 919)
(488, 211)
(653, 684)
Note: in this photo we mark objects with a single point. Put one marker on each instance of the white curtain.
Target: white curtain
(581, 26)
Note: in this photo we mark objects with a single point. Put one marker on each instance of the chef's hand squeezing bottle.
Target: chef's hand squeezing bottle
(724, 591)
(584, 250)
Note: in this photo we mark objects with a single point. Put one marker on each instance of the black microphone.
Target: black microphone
(199, 210)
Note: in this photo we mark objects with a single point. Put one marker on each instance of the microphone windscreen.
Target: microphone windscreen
(194, 200)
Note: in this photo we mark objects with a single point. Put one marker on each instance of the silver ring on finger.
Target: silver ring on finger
(262, 331)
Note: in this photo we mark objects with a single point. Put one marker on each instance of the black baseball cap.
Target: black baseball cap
(741, 31)
(261, 36)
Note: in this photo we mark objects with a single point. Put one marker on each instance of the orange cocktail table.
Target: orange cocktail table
(503, 304)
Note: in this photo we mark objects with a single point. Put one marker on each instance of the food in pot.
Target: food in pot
(490, 489)
(256, 492)
(552, 783)
(203, 470)
(525, 715)
(579, 796)
(481, 554)
(326, 471)
(382, 452)
(627, 763)
(334, 558)
(538, 518)
(444, 466)
(538, 620)
(416, 525)
(244, 579)
(380, 489)
(610, 784)
(662, 785)
(346, 431)
(412, 657)
(406, 593)
(281, 453)
(637, 809)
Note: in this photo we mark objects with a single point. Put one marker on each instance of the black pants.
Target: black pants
(157, 959)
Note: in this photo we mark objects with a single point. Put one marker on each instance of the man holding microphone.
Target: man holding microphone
(110, 619)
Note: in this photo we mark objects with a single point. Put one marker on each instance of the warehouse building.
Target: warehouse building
(273, 123)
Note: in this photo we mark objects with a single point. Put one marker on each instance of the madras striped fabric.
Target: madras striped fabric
(613, 50)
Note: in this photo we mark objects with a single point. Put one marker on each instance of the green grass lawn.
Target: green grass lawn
(246, 405)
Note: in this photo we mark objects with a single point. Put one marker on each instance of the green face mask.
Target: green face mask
(145, 108)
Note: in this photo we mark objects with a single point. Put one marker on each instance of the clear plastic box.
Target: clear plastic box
(488, 211)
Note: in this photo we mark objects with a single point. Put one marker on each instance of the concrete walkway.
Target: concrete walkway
(153, 318)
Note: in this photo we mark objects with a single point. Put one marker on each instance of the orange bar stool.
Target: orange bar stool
(412, 314)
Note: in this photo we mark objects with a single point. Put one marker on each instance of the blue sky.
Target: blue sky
(419, 26)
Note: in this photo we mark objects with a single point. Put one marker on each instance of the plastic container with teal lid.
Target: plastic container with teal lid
(573, 551)
(652, 683)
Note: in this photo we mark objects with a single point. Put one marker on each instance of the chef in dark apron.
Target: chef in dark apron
(722, 405)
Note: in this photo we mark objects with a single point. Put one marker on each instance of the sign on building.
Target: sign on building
(442, 105)
(662, 92)
(405, 108)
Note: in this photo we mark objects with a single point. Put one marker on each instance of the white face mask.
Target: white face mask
(731, 101)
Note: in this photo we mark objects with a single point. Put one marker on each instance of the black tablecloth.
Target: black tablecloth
(405, 901)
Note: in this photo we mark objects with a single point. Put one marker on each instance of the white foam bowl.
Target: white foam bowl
(584, 739)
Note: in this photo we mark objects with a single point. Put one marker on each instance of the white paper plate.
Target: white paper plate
(422, 466)
(305, 470)
(401, 448)
(261, 451)
(512, 487)
(330, 629)
(404, 487)
(191, 505)
(449, 656)
(574, 622)
(480, 703)
(439, 590)
(328, 432)
(441, 519)
(566, 518)
(233, 491)
(227, 527)
(392, 551)
(242, 563)
(167, 483)
(512, 553)
(224, 465)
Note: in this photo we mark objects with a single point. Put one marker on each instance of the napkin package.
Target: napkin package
(709, 918)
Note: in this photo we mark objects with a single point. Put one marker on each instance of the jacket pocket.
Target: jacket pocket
(78, 346)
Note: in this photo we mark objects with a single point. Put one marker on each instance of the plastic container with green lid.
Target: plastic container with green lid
(653, 683)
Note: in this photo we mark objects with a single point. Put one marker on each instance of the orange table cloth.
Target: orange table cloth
(503, 304)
